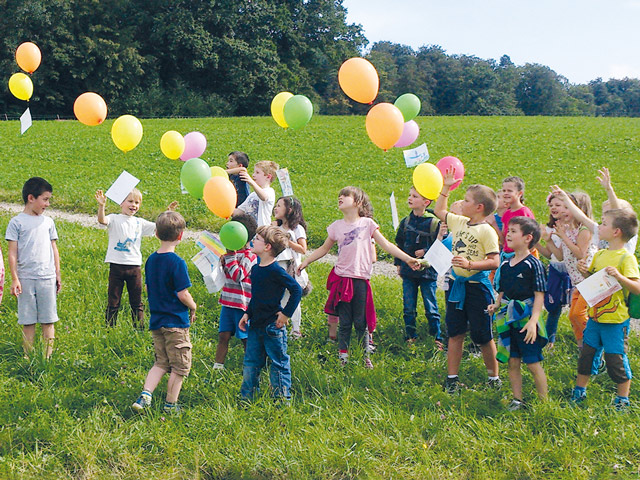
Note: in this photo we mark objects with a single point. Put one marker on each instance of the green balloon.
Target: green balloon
(194, 174)
(409, 105)
(233, 235)
(298, 111)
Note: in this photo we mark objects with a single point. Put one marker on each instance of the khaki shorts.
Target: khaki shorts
(172, 349)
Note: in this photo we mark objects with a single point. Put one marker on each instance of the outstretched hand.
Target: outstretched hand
(100, 198)
(604, 178)
(449, 176)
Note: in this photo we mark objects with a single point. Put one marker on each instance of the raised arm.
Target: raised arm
(605, 180)
(578, 214)
(102, 201)
(440, 209)
(262, 194)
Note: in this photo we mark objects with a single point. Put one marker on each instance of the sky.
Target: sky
(579, 39)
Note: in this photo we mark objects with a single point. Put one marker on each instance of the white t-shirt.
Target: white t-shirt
(125, 238)
(289, 253)
(260, 209)
(34, 234)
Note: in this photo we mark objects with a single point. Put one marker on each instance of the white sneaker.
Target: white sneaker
(218, 366)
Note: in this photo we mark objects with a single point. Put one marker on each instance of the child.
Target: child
(236, 292)
(495, 220)
(124, 256)
(34, 263)
(266, 318)
(475, 250)
(172, 311)
(521, 288)
(416, 233)
(288, 215)
(259, 203)
(238, 162)
(608, 323)
(350, 294)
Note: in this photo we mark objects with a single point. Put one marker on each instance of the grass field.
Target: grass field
(70, 417)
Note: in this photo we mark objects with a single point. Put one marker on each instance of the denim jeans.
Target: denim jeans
(410, 301)
(552, 323)
(264, 342)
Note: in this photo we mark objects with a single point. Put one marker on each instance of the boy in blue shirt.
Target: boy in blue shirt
(267, 336)
(521, 288)
(172, 311)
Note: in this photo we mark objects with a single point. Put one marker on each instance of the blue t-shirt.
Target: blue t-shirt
(165, 275)
(522, 280)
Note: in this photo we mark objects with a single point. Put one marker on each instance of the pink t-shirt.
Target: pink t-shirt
(355, 255)
(508, 215)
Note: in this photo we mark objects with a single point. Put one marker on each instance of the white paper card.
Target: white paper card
(121, 188)
(439, 257)
(416, 156)
(394, 211)
(205, 260)
(183, 190)
(25, 121)
(285, 182)
(597, 287)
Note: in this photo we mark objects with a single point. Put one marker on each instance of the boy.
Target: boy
(608, 323)
(267, 333)
(416, 233)
(236, 292)
(172, 311)
(476, 252)
(34, 263)
(238, 162)
(521, 288)
(259, 204)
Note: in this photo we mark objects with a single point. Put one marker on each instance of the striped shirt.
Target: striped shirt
(522, 280)
(236, 291)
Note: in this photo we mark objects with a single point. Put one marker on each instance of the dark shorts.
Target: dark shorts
(473, 316)
(528, 352)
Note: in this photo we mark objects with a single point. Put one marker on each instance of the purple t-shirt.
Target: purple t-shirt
(355, 253)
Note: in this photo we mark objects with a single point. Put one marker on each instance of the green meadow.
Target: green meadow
(71, 417)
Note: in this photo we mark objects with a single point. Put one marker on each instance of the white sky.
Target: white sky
(580, 39)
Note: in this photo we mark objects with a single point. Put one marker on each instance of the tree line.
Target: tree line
(230, 57)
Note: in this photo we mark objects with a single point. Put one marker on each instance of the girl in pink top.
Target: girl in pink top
(513, 197)
(350, 294)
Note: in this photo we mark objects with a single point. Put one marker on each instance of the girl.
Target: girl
(350, 293)
(513, 198)
(288, 214)
(495, 220)
(576, 246)
(558, 281)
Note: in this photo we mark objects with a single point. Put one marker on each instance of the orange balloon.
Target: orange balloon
(28, 57)
(90, 109)
(359, 80)
(220, 196)
(384, 125)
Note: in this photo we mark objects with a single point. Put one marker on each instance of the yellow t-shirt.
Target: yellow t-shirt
(614, 308)
(473, 242)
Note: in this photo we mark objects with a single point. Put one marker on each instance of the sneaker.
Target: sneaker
(451, 385)
(295, 334)
(515, 405)
(172, 409)
(344, 358)
(332, 339)
(142, 403)
(367, 363)
(577, 397)
(621, 405)
(494, 383)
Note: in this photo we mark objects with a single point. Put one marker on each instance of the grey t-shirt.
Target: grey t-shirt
(34, 234)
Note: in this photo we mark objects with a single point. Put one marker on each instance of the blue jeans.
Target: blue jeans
(552, 323)
(264, 342)
(410, 301)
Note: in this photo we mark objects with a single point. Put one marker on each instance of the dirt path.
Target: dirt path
(379, 268)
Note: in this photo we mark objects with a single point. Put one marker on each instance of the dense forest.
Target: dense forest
(230, 57)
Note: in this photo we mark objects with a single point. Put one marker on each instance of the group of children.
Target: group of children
(265, 280)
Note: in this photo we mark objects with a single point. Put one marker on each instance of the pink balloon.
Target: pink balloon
(409, 135)
(195, 144)
(447, 162)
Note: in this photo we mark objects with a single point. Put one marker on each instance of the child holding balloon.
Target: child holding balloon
(259, 203)
(350, 294)
(238, 162)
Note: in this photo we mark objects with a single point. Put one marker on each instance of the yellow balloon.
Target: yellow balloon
(172, 144)
(126, 132)
(219, 172)
(428, 180)
(21, 86)
(277, 108)
(385, 124)
(220, 196)
(359, 80)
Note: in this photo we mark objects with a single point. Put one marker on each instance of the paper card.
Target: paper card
(205, 260)
(183, 190)
(439, 257)
(215, 280)
(285, 182)
(597, 287)
(416, 156)
(394, 211)
(121, 188)
(25, 121)
(211, 242)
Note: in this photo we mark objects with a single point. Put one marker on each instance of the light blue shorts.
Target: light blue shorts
(229, 319)
(37, 302)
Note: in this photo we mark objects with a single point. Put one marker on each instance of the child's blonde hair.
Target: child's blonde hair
(361, 199)
(268, 167)
(274, 236)
(485, 196)
(606, 205)
(137, 195)
(583, 201)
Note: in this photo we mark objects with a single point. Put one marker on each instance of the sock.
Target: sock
(621, 399)
(580, 389)
(452, 376)
(169, 405)
(146, 393)
(495, 378)
(344, 352)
